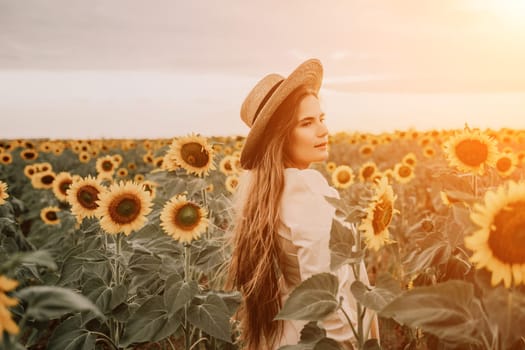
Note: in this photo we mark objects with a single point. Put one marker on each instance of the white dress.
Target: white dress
(307, 218)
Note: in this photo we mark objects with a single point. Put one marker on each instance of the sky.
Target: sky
(165, 68)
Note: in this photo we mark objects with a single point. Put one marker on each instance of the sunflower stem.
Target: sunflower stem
(116, 281)
(187, 332)
(356, 267)
(475, 185)
(205, 204)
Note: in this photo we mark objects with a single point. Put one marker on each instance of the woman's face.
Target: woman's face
(309, 139)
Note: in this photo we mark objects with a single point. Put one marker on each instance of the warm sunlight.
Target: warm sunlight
(507, 9)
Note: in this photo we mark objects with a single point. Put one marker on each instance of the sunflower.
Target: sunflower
(106, 166)
(226, 165)
(193, 154)
(6, 321)
(138, 178)
(366, 150)
(217, 147)
(43, 180)
(183, 220)
(521, 157)
(148, 157)
(379, 215)
(123, 207)
(237, 167)
(330, 166)
(471, 151)
(239, 144)
(132, 166)
(499, 241)
(6, 158)
(158, 161)
(117, 159)
(45, 166)
(84, 157)
(30, 170)
(409, 159)
(61, 184)
(49, 215)
(506, 163)
(429, 151)
(3, 192)
(29, 154)
(342, 176)
(231, 183)
(122, 172)
(83, 195)
(367, 171)
(45, 146)
(403, 173)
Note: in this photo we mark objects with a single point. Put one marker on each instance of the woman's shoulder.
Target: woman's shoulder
(308, 179)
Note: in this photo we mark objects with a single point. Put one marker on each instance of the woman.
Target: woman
(282, 220)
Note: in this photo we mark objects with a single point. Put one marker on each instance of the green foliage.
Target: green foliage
(312, 299)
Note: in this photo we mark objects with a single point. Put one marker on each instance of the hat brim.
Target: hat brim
(309, 74)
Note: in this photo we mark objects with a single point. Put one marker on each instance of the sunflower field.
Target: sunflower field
(123, 244)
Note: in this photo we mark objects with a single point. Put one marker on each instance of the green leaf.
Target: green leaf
(178, 294)
(386, 290)
(70, 335)
(39, 258)
(232, 300)
(448, 310)
(341, 243)
(206, 254)
(313, 338)
(506, 309)
(211, 315)
(50, 302)
(434, 255)
(150, 323)
(105, 297)
(312, 300)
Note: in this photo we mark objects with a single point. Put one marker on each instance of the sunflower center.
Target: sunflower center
(404, 171)
(366, 151)
(187, 217)
(503, 164)
(124, 209)
(227, 166)
(107, 165)
(472, 152)
(29, 155)
(64, 186)
(410, 161)
(51, 216)
(382, 215)
(507, 234)
(343, 177)
(87, 197)
(48, 179)
(368, 172)
(194, 154)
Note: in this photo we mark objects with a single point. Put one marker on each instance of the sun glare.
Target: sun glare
(507, 9)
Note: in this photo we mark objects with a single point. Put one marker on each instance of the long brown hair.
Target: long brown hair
(255, 266)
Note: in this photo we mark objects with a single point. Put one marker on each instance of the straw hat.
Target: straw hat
(264, 99)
